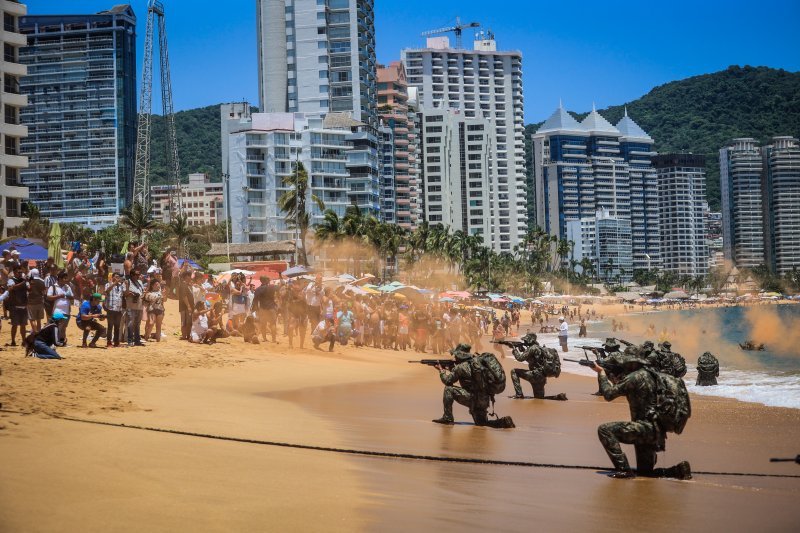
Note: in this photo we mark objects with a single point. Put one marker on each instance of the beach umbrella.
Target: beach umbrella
(191, 264)
(676, 295)
(28, 251)
(295, 271)
(54, 244)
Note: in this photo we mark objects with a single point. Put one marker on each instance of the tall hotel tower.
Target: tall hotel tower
(317, 56)
(583, 167)
(12, 192)
(81, 118)
(482, 84)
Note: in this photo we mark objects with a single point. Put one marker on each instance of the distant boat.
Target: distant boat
(751, 346)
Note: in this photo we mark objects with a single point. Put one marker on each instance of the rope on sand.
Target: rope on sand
(371, 453)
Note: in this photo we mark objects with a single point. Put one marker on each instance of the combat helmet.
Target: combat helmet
(611, 345)
(666, 345)
(529, 338)
(462, 352)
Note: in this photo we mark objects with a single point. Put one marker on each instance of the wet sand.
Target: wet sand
(69, 475)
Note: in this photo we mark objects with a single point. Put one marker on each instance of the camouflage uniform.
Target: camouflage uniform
(534, 375)
(707, 370)
(478, 403)
(639, 388)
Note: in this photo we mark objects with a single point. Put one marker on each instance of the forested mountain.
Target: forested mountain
(701, 114)
(698, 114)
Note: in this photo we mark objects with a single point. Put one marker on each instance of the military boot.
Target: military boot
(505, 422)
(444, 420)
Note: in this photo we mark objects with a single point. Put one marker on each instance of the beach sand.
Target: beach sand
(66, 475)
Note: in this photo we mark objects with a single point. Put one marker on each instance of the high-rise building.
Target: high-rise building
(682, 213)
(202, 200)
(740, 165)
(81, 118)
(263, 153)
(606, 240)
(581, 167)
(317, 56)
(780, 181)
(457, 186)
(12, 191)
(394, 112)
(483, 84)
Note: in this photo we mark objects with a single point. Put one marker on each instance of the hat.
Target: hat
(622, 362)
(58, 315)
(561, 318)
(34, 272)
(14, 252)
(462, 351)
(97, 295)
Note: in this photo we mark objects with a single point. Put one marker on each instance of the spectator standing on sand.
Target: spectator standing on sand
(582, 330)
(134, 291)
(563, 332)
(36, 300)
(115, 295)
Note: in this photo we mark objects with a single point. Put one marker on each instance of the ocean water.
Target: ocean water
(770, 377)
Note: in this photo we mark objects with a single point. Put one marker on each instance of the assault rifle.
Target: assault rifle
(583, 362)
(444, 363)
(782, 460)
(510, 344)
(626, 343)
(597, 351)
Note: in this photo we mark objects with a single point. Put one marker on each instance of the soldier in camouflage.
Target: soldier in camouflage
(625, 375)
(533, 354)
(465, 394)
(707, 370)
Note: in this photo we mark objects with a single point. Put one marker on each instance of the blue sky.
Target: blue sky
(582, 52)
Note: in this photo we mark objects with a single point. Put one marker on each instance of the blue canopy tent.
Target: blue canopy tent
(28, 251)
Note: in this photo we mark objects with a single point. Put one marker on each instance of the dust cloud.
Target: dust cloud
(779, 334)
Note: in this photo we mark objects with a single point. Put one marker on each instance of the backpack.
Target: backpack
(678, 365)
(673, 408)
(552, 363)
(708, 364)
(487, 374)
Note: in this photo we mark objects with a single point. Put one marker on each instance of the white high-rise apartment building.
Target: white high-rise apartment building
(781, 184)
(12, 191)
(606, 240)
(682, 213)
(317, 56)
(482, 83)
(742, 203)
(456, 164)
(262, 155)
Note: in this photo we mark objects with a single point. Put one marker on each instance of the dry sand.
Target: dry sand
(67, 476)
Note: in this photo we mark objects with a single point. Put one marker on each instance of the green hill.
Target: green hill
(698, 114)
(198, 133)
(701, 114)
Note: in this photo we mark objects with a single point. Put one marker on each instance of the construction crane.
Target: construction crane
(141, 175)
(457, 29)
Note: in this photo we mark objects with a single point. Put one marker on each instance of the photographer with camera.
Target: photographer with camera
(134, 292)
(88, 315)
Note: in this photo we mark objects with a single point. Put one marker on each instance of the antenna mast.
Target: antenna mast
(141, 180)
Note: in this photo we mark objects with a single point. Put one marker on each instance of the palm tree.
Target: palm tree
(181, 232)
(293, 204)
(138, 219)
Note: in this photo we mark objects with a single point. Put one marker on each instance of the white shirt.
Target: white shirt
(563, 328)
(320, 330)
(63, 293)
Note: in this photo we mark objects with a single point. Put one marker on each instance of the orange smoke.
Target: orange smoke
(779, 334)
